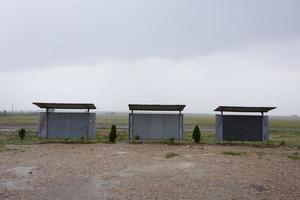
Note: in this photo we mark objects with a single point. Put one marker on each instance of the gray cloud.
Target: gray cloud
(65, 32)
(115, 52)
(234, 78)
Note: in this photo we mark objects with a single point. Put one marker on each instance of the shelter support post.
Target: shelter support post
(131, 126)
(180, 127)
(47, 120)
(88, 126)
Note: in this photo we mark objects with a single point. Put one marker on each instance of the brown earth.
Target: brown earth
(142, 171)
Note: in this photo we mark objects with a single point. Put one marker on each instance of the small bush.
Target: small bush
(113, 134)
(22, 133)
(196, 134)
(282, 142)
(136, 137)
(172, 140)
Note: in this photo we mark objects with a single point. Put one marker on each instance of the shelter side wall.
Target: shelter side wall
(92, 125)
(242, 128)
(43, 124)
(265, 128)
(64, 125)
(129, 126)
(156, 126)
(219, 128)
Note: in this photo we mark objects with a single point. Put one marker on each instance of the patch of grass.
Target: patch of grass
(285, 136)
(232, 153)
(260, 154)
(170, 141)
(207, 137)
(101, 138)
(66, 141)
(171, 155)
(13, 139)
(122, 136)
(293, 157)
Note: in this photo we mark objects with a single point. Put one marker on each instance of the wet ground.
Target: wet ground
(148, 171)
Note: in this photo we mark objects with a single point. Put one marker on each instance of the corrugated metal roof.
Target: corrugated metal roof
(243, 109)
(156, 107)
(65, 105)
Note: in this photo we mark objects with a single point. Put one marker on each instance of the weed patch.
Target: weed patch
(295, 156)
(232, 153)
(171, 155)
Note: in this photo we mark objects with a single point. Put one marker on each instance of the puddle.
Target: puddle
(22, 170)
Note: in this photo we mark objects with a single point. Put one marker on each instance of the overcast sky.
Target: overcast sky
(114, 52)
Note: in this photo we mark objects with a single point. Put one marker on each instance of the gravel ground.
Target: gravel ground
(142, 171)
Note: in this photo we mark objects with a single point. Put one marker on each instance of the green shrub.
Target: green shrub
(196, 134)
(113, 134)
(172, 140)
(136, 137)
(22, 133)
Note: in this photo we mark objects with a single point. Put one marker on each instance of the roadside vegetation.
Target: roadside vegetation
(171, 155)
(233, 153)
(284, 131)
(295, 156)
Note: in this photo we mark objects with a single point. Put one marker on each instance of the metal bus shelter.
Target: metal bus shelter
(54, 124)
(155, 126)
(242, 127)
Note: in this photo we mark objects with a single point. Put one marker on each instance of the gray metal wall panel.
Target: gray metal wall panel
(265, 128)
(42, 124)
(72, 125)
(219, 128)
(92, 128)
(129, 127)
(242, 128)
(156, 126)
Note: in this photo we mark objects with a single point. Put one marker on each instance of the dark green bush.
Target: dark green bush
(172, 140)
(113, 134)
(282, 142)
(22, 133)
(136, 137)
(196, 134)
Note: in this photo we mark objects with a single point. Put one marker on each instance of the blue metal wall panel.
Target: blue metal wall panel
(67, 125)
(219, 128)
(265, 128)
(156, 126)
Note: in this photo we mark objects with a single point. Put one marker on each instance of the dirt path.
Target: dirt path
(125, 171)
